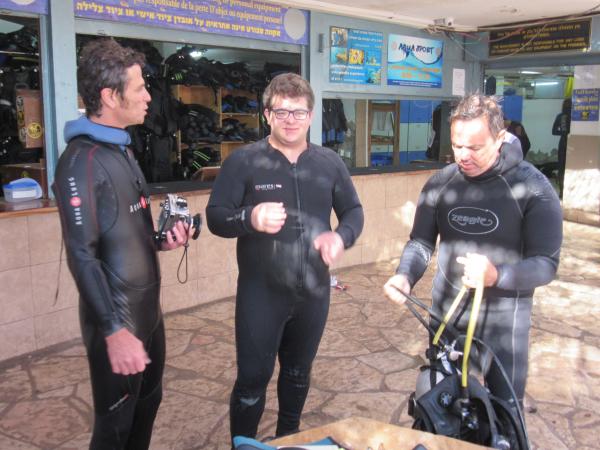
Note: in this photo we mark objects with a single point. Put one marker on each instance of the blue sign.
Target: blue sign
(414, 61)
(355, 56)
(586, 103)
(30, 6)
(250, 19)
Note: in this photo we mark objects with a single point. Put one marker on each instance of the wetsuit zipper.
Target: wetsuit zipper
(300, 279)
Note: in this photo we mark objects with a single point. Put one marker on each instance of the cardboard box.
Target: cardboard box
(30, 117)
(37, 171)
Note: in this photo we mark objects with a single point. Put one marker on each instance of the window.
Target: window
(21, 112)
(206, 103)
(380, 133)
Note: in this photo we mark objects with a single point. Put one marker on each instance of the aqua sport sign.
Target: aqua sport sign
(414, 61)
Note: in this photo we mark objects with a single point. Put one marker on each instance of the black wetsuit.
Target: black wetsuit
(108, 233)
(283, 285)
(512, 215)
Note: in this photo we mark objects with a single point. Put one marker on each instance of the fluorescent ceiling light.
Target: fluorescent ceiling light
(545, 83)
(530, 72)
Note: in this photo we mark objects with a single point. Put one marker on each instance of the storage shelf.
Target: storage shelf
(203, 95)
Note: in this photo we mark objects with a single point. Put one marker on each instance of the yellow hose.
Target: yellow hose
(471, 330)
(449, 314)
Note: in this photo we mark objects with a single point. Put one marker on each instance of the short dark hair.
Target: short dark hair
(289, 85)
(103, 64)
(475, 106)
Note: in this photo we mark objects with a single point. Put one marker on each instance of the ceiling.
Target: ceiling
(462, 15)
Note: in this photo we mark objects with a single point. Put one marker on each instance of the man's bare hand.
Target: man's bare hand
(177, 236)
(126, 353)
(268, 217)
(330, 245)
(476, 267)
(395, 287)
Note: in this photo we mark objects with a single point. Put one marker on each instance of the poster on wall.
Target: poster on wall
(414, 61)
(586, 103)
(31, 6)
(355, 56)
(257, 20)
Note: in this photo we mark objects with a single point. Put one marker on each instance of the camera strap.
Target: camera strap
(184, 256)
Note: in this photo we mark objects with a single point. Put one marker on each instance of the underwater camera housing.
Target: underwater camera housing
(174, 209)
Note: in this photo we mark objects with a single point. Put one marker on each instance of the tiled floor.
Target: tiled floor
(366, 366)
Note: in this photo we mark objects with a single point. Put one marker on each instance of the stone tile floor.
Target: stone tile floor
(367, 364)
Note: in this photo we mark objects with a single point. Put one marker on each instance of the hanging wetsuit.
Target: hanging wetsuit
(104, 208)
(283, 285)
(512, 215)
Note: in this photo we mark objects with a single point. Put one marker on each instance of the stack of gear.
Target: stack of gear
(236, 75)
(335, 124)
(234, 130)
(180, 68)
(198, 156)
(199, 124)
(271, 70)
(154, 142)
(238, 104)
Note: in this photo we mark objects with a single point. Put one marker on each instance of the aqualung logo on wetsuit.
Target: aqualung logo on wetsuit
(75, 201)
(141, 204)
(471, 220)
(267, 187)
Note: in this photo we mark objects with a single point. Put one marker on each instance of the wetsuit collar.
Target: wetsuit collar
(102, 133)
(510, 156)
(275, 149)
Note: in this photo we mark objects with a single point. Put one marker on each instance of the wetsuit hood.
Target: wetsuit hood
(101, 133)
(510, 156)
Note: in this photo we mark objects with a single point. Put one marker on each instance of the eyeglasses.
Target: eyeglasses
(282, 114)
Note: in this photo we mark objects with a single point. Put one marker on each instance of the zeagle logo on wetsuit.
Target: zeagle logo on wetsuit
(267, 187)
(471, 220)
(75, 201)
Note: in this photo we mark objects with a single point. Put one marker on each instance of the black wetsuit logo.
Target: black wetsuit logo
(471, 220)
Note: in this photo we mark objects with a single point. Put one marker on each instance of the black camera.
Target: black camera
(175, 208)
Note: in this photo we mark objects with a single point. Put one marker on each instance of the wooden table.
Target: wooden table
(357, 433)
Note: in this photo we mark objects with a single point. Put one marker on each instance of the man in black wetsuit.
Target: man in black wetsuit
(107, 228)
(276, 197)
(497, 216)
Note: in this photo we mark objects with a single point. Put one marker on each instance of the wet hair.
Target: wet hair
(103, 63)
(289, 85)
(475, 106)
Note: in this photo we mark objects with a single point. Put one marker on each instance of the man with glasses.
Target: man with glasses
(276, 197)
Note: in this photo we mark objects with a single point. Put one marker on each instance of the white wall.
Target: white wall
(538, 117)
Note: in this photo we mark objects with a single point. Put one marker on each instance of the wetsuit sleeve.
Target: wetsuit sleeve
(76, 184)
(225, 215)
(542, 240)
(347, 208)
(423, 236)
